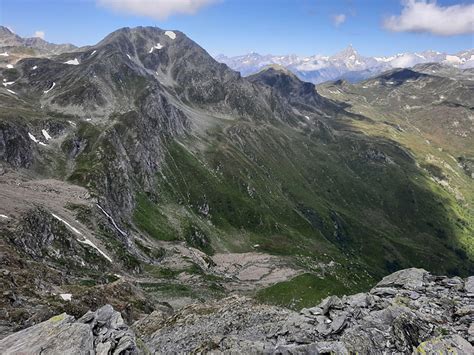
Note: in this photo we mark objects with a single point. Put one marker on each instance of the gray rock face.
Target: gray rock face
(100, 332)
(111, 334)
(57, 335)
(410, 279)
(15, 146)
(394, 322)
(152, 322)
(438, 321)
(469, 286)
(43, 237)
(299, 94)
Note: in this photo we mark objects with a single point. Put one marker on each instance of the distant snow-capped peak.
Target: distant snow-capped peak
(347, 64)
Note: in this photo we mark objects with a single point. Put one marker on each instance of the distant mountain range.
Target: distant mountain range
(347, 64)
(13, 48)
(12, 40)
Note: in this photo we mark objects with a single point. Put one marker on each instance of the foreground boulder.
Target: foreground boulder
(100, 332)
(410, 311)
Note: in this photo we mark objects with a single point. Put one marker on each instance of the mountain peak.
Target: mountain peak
(10, 39)
(346, 53)
(278, 68)
(5, 31)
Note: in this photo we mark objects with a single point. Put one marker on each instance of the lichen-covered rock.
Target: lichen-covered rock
(453, 344)
(100, 332)
(58, 335)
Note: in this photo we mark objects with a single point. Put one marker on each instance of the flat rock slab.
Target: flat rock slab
(58, 335)
(410, 279)
(469, 286)
(101, 332)
(453, 344)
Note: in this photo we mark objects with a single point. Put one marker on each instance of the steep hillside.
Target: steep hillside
(429, 110)
(140, 170)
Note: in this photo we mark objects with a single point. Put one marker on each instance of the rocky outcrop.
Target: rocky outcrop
(100, 332)
(410, 311)
(43, 237)
(407, 311)
(15, 146)
(299, 94)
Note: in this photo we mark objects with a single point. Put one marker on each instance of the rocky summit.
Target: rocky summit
(153, 200)
(410, 311)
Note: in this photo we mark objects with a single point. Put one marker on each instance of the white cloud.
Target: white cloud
(428, 16)
(339, 19)
(405, 61)
(158, 9)
(39, 34)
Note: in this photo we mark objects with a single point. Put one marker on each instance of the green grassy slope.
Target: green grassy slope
(351, 198)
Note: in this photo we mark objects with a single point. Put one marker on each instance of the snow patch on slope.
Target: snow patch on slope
(51, 88)
(88, 242)
(157, 46)
(112, 220)
(72, 62)
(170, 34)
(75, 230)
(46, 134)
(85, 241)
(66, 296)
(32, 137)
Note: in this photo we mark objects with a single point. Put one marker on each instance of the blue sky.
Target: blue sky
(235, 27)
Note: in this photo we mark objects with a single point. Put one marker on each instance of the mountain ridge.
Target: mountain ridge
(140, 171)
(10, 39)
(346, 64)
